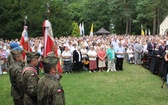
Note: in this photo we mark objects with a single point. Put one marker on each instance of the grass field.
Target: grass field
(133, 86)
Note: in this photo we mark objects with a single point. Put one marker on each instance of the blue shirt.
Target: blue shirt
(120, 50)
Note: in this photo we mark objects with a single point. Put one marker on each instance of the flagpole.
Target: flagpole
(46, 28)
(25, 20)
(48, 10)
(25, 24)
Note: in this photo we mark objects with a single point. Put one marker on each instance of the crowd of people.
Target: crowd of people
(103, 53)
(98, 53)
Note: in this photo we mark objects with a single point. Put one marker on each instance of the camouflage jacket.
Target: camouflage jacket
(10, 60)
(30, 79)
(15, 72)
(50, 92)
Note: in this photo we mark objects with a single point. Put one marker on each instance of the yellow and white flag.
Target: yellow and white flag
(91, 30)
(142, 31)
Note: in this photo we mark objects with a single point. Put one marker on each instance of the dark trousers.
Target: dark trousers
(77, 67)
(119, 64)
(149, 61)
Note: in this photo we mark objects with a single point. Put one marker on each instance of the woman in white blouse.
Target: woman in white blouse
(92, 59)
(84, 57)
(66, 55)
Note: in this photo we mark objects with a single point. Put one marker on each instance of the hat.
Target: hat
(32, 55)
(50, 60)
(14, 44)
(16, 52)
(17, 48)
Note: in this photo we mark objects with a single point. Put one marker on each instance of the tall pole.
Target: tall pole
(25, 20)
(48, 10)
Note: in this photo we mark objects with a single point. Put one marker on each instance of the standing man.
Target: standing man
(120, 56)
(15, 72)
(30, 79)
(138, 52)
(50, 92)
(150, 47)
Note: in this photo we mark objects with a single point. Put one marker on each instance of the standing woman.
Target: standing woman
(2, 57)
(77, 60)
(66, 55)
(154, 68)
(92, 59)
(84, 57)
(101, 59)
(164, 64)
(111, 59)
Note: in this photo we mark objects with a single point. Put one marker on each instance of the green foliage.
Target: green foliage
(97, 12)
(75, 31)
(110, 14)
(122, 11)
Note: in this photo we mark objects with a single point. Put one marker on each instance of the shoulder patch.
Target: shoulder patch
(59, 90)
(32, 74)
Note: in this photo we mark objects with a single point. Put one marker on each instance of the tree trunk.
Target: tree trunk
(127, 25)
(158, 27)
(130, 23)
(154, 22)
(121, 30)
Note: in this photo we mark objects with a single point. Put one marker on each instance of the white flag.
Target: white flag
(83, 30)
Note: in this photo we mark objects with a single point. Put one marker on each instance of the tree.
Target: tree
(151, 13)
(75, 31)
(97, 12)
(122, 15)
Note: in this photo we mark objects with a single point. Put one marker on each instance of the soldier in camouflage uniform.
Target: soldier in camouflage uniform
(13, 46)
(30, 79)
(50, 92)
(15, 72)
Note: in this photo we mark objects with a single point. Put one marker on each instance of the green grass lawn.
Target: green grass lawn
(133, 86)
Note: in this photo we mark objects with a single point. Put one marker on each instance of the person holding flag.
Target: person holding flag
(50, 48)
(24, 41)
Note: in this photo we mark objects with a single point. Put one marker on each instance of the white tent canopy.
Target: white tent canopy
(164, 27)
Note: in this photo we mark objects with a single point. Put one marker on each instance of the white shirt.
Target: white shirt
(92, 53)
(84, 52)
(145, 48)
(130, 53)
(115, 44)
(72, 49)
(67, 53)
(79, 55)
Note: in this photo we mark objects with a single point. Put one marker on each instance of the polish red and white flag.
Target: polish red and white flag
(24, 41)
(48, 37)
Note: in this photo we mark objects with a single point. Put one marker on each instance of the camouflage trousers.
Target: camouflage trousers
(28, 100)
(18, 101)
